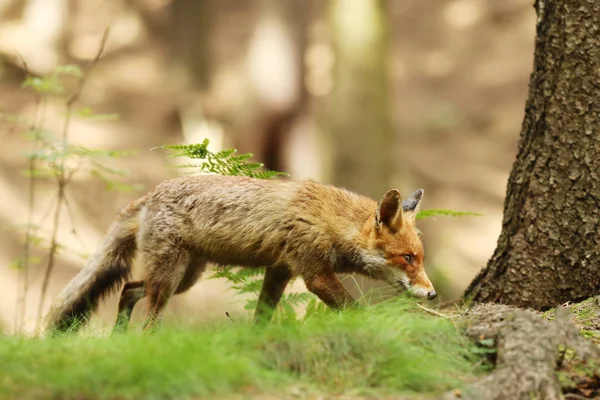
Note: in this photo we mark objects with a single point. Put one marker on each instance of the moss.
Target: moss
(585, 315)
(581, 377)
(593, 335)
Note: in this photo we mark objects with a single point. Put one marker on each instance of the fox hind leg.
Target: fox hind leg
(193, 272)
(132, 293)
(165, 272)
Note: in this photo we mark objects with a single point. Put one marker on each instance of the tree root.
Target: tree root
(528, 352)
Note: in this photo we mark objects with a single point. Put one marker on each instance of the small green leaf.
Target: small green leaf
(88, 113)
(43, 85)
(38, 173)
(35, 260)
(16, 264)
(251, 287)
(13, 118)
(446, 213)
(251, 304)
(487, 342)
(39, 135)
(482, 350)
(69, 69)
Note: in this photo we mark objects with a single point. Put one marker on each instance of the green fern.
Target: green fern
(224, 162)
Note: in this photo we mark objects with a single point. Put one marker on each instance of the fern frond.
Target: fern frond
(223, 162)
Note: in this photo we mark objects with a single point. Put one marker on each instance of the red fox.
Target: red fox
(303, 229)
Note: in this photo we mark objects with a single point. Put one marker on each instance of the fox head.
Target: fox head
(395, 251)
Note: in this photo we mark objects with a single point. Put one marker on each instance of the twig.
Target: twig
(22, 299)
(52, 250)
(37, 119)
(46, 213)
(72, 219)
(581, 321)
(62, 178)
(439, 314)
(73, 171)
(573, 396)
(75, 96)
(22, 59)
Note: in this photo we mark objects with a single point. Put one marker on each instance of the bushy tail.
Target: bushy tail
(104, 272)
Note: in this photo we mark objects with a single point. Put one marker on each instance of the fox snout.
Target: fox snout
(421, 287)
(422, 292)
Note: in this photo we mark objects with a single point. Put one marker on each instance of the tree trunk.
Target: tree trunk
(359, 128)
(275, 76)
(548, 251)
(358, 139)
(189, 39)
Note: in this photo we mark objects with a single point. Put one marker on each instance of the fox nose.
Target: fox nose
(431, 294)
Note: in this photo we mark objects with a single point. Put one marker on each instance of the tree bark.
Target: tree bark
(548, 251)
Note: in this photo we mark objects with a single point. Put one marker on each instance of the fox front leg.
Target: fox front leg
(329, 289)
(274, 284)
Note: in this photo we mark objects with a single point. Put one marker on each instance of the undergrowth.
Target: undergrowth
(383, 350)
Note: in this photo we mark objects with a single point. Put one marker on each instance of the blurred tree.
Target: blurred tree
(189, 39)
(548, 251)
(275, 74)
(358, 144)
(358, 127)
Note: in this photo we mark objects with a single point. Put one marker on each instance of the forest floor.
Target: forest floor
(577, 377)
(390, 350)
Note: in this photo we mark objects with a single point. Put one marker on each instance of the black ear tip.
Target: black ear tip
(413, 201)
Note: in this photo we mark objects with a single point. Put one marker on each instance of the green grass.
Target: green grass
(387, 349)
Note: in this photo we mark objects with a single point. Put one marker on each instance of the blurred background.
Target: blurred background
(364, 94)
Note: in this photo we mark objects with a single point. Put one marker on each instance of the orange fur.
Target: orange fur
(301, 229)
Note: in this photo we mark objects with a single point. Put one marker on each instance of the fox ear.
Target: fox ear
(412, 205)
(389, 211)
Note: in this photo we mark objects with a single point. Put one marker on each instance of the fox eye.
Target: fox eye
(408, 258)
